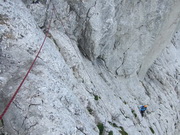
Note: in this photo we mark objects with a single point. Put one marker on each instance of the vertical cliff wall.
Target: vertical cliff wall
(102, 59)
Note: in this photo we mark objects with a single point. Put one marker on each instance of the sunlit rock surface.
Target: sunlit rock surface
(102, 59)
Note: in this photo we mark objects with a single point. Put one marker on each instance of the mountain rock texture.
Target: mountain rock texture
(101, 60)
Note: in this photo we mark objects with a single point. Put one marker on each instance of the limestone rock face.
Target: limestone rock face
(101, 60)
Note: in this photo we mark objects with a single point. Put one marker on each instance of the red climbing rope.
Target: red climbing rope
(17, 90)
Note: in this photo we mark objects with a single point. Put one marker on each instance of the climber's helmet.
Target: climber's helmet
(145, 106)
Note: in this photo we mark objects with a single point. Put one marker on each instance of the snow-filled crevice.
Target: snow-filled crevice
(162, 40)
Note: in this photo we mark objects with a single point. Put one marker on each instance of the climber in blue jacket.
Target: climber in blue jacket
(143, 109)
